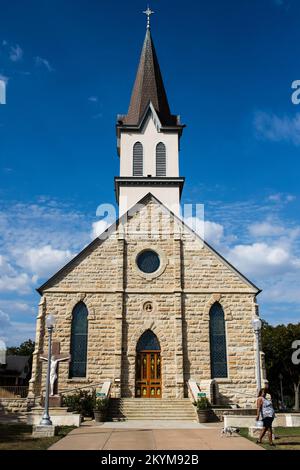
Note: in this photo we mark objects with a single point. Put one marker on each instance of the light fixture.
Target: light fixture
(50, 321)
(256, 324)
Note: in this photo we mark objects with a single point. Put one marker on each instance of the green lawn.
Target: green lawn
(18, 437)
(286, 439)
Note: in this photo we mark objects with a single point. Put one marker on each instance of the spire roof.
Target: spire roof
(149, 87)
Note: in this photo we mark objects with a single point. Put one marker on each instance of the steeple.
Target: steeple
(149, 87)
(148, 138)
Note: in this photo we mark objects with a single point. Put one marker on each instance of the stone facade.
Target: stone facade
(14, 405)
(191, 279)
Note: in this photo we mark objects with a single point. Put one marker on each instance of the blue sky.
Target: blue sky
(228, 67)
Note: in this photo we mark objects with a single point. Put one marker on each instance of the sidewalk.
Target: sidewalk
(151, 436)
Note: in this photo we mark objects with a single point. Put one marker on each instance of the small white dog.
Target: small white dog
(229, 431)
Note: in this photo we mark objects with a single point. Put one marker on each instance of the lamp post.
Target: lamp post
(50, 322)
(280, 376)
(256, 324)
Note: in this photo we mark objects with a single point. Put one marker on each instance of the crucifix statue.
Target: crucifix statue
(55, 359)
(148, 12)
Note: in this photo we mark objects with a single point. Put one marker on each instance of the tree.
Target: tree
(25, 349)
(277, 344)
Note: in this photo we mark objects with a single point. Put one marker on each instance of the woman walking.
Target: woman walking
(266, 411)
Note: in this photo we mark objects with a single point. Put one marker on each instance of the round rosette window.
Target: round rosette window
(148, 261)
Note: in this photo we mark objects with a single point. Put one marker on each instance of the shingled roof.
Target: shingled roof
(149, 87)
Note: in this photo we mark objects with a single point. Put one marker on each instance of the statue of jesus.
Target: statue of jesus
(53, 369)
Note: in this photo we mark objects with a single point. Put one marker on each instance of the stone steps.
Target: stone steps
(124, 409)
(168, 411)
(160, 418)
(153, 410)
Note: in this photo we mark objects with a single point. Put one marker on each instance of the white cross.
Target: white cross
(148, 12)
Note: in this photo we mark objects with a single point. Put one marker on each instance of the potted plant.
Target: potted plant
(100, 409)
(203, 409)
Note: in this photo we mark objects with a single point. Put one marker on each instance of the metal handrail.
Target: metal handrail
(68, 390)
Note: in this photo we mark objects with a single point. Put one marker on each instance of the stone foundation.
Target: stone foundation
(58, 416)
(14, 405)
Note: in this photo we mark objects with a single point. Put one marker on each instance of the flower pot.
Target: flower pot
(203, 416)
(100, 416)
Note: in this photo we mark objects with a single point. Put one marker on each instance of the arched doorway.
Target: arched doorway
(148, 382)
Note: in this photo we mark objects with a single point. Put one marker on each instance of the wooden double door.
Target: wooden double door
(148, 382)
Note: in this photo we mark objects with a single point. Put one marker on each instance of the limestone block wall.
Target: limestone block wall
(240, 385)
(203, 269)
(101, 335)
(96, 268)
(13, 405)
(191, 278)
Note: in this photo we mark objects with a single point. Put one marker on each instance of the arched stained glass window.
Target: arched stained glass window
(148, 342)
(79, 341)
(138, 157)
(218, 354)
(161, 163)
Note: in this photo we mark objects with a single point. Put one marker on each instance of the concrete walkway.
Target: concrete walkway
(151, 436)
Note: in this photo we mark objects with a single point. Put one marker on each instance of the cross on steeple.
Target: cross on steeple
(148, 12)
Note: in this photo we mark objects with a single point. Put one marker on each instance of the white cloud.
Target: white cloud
(13, 306)
(98, 228)
(44, 260)
(4, 320)
(275, 197)
(278, 129)
(265, 229)
(286, 236)
(93, 99)
(5, 267)
(213, 233)
(20, 332)
(19, 283)
(17, 332)
(40, 62)
(15, 53)
(261, 259)
(285, 290)
(279, 197)
(11, 280)
(25, 226)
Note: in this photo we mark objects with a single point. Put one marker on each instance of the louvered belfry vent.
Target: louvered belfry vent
(138, 159)
(161, 167)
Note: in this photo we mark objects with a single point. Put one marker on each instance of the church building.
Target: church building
(149, 305)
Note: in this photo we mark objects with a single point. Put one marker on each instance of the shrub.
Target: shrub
(101, 404)
(203, 404)
(82, 402)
